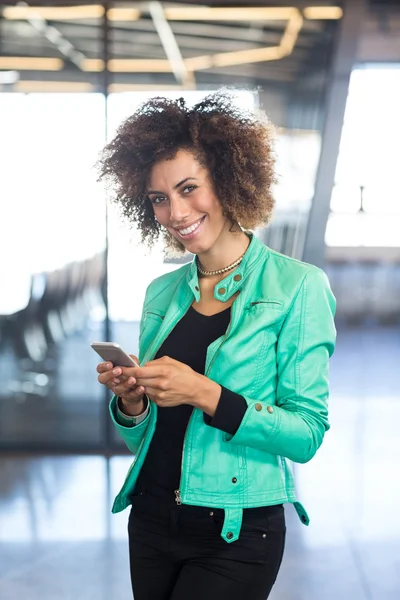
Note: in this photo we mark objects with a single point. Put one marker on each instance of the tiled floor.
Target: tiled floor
(58, 539)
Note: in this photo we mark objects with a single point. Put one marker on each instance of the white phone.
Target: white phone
(112, 352)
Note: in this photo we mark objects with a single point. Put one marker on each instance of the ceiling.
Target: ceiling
(168, 44)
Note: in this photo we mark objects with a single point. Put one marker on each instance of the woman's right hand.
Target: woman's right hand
(125, 387)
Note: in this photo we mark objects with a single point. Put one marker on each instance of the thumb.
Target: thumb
(135, 358)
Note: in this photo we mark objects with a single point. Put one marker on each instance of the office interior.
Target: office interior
(327, 74)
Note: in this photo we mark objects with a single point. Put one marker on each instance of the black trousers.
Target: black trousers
(177, 553)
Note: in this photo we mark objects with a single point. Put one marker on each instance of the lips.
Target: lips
(190, 230)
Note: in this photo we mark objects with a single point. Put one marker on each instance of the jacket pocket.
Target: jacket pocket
(264, 319)
(265, 315)
(267, 303)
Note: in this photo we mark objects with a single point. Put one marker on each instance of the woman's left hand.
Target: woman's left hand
(168, 382)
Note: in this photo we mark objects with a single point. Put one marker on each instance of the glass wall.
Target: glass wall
(52, 230)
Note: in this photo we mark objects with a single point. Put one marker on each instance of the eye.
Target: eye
(188, 188)
(157, 199)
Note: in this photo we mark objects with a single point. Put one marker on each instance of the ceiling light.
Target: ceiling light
(197, 63)
(25, 63)
(53, 13)
(231, 59)
(323, 12)
(123, 14)
(132, 65)
(173, 13)
(240, 57)
(94, 65)
(291, 34)
(143, 87)
(207, 13)
(53, 86)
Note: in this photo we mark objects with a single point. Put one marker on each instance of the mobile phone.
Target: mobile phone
(112, 352)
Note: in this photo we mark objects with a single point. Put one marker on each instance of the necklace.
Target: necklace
(219, 271)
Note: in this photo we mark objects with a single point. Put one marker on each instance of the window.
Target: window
(365, 200)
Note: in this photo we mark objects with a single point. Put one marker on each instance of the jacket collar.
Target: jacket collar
(234, 281)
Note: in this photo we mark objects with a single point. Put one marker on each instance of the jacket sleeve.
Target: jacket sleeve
(296, 425)
(132, 435)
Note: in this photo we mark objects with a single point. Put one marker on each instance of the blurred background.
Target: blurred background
(71, 272)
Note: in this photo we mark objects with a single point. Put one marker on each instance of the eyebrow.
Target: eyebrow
(175, 186)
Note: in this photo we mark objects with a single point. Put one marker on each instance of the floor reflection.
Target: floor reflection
(58, 538)
(56, 499)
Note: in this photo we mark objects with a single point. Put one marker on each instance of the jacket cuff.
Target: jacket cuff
(229, 413)
(128, 420)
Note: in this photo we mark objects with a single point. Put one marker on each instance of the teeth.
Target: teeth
(189, 229)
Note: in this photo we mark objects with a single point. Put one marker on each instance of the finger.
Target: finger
(108, 379)
(127, 391)
(144, 372)
(104, 367)
(125, 372)
(135, 358)
(161, 361)
(157, 362)
(154, 382)
(118, 374)
(128, 384)
(105, 378)
(129, 381)
(152, 393)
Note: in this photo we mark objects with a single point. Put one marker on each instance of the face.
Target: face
(184, 202)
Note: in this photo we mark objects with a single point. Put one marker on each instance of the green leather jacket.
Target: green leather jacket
(275, 353)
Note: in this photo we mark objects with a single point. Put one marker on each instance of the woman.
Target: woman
(234, 349)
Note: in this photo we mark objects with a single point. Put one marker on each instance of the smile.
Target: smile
(189, 232)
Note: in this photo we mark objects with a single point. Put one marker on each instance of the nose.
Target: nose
(178, 210)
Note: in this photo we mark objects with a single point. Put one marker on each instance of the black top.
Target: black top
(188, 343)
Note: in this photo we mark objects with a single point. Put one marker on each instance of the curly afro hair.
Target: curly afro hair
(235, 146)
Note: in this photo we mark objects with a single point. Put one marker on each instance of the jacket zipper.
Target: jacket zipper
(178, 498)
(177, 492)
